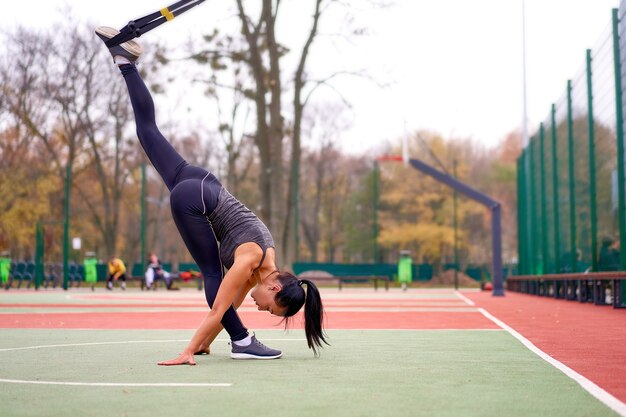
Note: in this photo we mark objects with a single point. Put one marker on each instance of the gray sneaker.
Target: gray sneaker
(255, 350)
(130, 50)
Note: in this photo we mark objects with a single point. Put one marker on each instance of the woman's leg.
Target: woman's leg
(188, 211)
(188, 208)
(162, 155)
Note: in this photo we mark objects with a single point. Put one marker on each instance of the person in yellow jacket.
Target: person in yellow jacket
(117, 270)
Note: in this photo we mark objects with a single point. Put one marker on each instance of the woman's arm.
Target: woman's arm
(205, 347)
(230, 291)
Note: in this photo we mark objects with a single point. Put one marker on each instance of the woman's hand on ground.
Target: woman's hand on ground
(183, 359)
(206, 351)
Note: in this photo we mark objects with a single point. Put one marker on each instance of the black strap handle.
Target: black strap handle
(135, 28)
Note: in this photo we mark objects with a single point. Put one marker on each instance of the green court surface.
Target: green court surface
(364, 373)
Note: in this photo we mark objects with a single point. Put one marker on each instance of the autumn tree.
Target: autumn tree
(65, 94)
(254, 62)
(416, 212)
(27, 186)
(335, 206)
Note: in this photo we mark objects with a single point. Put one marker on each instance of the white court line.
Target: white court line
(593, 389)
(118, 384)
(464, 298)
(92, 344)
(422, 330)
(374, 309)
(131, 342)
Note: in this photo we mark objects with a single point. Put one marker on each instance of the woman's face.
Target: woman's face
(264, 296)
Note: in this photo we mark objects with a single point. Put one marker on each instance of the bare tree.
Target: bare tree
(64, 93)
(260, 37)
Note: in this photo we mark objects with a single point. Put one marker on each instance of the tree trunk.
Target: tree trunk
(290, 229)
(263, 136)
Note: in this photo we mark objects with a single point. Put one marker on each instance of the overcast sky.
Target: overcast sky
(450, 66)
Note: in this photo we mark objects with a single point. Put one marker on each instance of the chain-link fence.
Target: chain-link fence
(571, 185)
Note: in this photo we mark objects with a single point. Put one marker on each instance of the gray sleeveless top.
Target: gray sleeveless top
(234, 224)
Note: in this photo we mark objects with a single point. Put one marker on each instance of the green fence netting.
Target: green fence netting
(571, 173)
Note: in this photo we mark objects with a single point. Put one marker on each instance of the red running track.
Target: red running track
(347, 312)
(589, 339)
(176, 320)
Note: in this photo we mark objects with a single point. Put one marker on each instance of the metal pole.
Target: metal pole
(528, 232)
(532, 217)
(66, 224)
(375, 216)
(475, 195)
(143, 217)
(525, 212)
(544, 220)
(456, 236)
(620, 140)
(521, 217)
(496, 242)
(592, 168)
(572, 187)
(525, 90)
(555, 194)
(39, 248)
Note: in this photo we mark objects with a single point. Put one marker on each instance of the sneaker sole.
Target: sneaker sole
(105, 33)
(248, 356)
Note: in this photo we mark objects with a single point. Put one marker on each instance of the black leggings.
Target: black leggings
(121, 278)
(193, 195)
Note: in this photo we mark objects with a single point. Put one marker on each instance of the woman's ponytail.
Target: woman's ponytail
(294, 296)
(313, 317)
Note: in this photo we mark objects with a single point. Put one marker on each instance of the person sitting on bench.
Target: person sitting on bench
(155, 272)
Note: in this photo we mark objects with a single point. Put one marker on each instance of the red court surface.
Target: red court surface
(589, 339)
(190, 320)
(356, 310)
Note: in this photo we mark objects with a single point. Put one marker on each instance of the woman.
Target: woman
(205, 214)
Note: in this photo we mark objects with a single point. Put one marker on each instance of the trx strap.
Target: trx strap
(135, 28)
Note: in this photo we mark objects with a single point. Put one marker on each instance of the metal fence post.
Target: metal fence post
(592, 168)
(532, 192)
(571, 182)
(375, 208)
(521, 267)
(620, 139)
(555, 193)
(39, 260)
(544, 220)
(523, 209)
(144, 217)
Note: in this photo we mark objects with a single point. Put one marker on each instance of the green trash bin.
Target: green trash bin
(405, 269)
(91, 271)
(5, 269)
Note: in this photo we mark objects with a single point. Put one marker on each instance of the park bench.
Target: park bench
(21, 271)
(24, 271)
(52, 274)
(76, 275)
(583, 287)
(137, 273)
(346, 279)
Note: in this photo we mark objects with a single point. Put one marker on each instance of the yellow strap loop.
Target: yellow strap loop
(166, 12)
